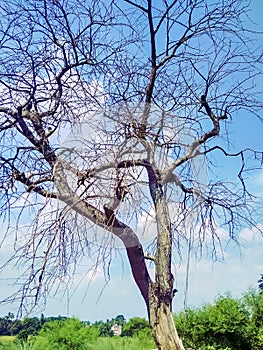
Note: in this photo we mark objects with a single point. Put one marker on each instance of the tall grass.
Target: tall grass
(101, 343)
(122, 343)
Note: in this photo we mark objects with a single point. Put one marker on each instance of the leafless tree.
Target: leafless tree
(113, 116)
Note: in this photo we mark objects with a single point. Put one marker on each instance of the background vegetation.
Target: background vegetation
(226, 324)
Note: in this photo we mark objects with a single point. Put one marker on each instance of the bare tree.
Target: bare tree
(114, 111)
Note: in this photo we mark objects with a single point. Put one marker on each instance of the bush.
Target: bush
(69, 334)
(222, 325)
(253, 302)
(136, 326)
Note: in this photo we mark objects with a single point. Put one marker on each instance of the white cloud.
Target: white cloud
(252, 235)
(207, 279)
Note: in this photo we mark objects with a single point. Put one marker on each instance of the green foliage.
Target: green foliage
(9, 346)
(6, 324)
(105, 327)
(8, 343)
(68, 334)
(253, 301)
(228, 324)
(120, 320)
(100, 343)
(23, 335)
(10, 326)
(136, 326)
(124, 343)
(31, 325)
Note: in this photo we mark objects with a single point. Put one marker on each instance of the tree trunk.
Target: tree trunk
(162, 324)
(161, 291)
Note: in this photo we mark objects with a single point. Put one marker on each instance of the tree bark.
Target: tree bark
(163, 327)
(157, 295)
(161, 291)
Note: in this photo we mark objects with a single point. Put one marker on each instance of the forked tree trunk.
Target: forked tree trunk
(158, 302)
(163, 327)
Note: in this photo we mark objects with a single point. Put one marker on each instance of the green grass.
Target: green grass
(7, 338)
(122, 343)
(114, 343)
(8, 343)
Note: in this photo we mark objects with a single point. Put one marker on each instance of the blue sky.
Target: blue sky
(240, 269)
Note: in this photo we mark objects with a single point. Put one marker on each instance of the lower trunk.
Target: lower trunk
(163, 327)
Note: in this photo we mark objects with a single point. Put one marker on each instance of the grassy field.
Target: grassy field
(119, 343)
(8, 343)
(7, 338)
(115, 343)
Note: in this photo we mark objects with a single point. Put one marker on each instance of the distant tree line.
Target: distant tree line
(32, 325)
(28, 326)
(226, 324)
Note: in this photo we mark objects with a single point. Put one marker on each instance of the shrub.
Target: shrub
(222, 325)
(69, 334)
(136, 326)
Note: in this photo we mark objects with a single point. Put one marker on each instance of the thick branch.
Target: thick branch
(109, 222)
